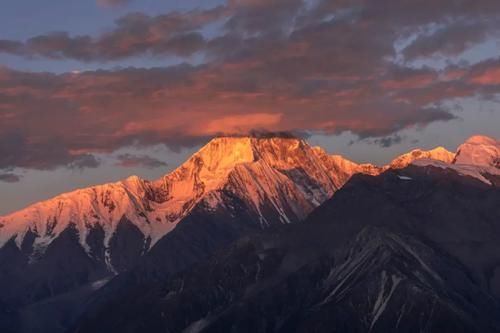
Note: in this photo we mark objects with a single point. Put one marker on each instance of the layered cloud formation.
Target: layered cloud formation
(283, 65)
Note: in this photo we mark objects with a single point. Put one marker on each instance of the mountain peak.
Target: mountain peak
(479, 150)
(223, 153)
(438, 153)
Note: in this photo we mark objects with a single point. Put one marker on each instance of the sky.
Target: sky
(93, 91)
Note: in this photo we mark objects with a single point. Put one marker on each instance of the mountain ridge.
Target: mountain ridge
(156, 206)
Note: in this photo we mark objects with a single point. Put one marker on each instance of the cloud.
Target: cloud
(134, 161)
(84, 161)
(11, 46)
(447, 27)
(112, 3)
(484, 74)
(450, 39)
(9, 178)
(27, 149)
(388, 141)
(184, 105)
(262, 16)
(409, 78)
(273, 65)
(133, 34)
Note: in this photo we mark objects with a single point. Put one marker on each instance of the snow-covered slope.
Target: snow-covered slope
(282, 174)
(439, 154)
(102, 205)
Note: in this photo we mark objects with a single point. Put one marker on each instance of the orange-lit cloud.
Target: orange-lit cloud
(490, 76)
(52, 120)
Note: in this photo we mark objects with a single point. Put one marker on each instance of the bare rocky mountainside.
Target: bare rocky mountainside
(172, 254)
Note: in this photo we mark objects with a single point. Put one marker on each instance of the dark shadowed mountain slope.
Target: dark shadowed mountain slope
(413, 250)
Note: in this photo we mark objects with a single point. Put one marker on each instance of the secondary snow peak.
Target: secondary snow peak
(438, 154)
(479, 150)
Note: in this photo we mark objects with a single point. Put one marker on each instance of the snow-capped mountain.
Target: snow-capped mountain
(285, 172)
(479, 150)
(478, 157)
(280, 174)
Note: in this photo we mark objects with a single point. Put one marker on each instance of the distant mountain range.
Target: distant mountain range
(215, 245)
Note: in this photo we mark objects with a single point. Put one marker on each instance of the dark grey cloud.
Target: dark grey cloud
(261, 16)
(11, 46)
(445, 27)
(9, 178)
(84, 161)
(388, 141)
(451, 39)
(134, 161)
(26, 149)
(134, 34)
